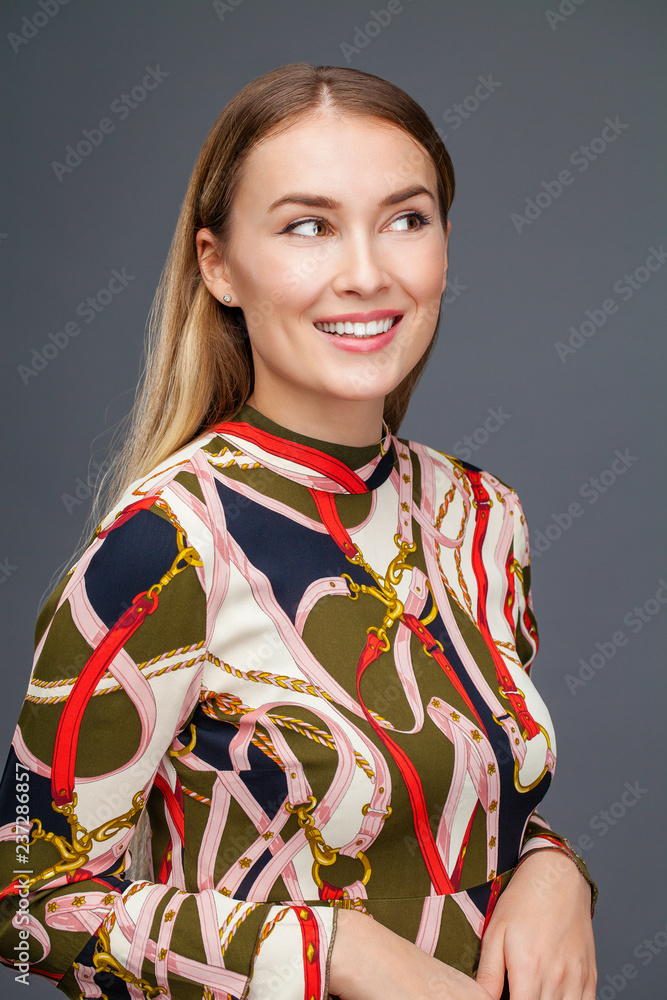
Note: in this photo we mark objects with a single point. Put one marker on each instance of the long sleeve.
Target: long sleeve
(538, 834)
(306, 707)
(121, 645)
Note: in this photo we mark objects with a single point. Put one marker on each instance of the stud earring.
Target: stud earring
(226, 298)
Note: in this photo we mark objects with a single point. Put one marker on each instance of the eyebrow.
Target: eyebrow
(321, 201)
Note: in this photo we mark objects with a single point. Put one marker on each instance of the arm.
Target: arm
(114, 680)
(371, 962)
(540, 930)
(538, 834)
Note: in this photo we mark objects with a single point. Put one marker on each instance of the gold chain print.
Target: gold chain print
(384, 591)
(75, 853)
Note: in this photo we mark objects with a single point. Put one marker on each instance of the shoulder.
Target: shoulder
(459, 469)
(159, 526)
(445, 477)
(174, 486)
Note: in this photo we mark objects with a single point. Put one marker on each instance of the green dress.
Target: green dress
(305, 667)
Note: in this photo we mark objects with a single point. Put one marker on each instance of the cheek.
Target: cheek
(427, 295)
(422, 273)
(274, 322)
(289, 287)
(270, 295)
(428, 284)
(433, 268)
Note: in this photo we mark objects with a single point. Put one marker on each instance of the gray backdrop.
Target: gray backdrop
(554, 116)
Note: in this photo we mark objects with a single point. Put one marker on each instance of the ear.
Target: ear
(444, 273)
(212, 266)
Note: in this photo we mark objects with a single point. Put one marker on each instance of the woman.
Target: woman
(301, 641)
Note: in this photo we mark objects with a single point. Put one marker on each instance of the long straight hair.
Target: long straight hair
(197, 364)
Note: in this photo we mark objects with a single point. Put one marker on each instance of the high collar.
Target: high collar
(322, 465)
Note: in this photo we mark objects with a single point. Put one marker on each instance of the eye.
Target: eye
(294, 226)
(422, 221)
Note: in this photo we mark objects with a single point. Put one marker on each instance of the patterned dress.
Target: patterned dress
(308, 665)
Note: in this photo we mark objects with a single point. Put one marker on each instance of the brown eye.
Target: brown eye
(293, 226)
(414, 221)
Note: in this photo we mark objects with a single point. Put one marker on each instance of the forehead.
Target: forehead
(346, 154)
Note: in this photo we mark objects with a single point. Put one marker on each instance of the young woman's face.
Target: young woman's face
(335, 221)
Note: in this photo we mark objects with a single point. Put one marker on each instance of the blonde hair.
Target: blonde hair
(197, 366)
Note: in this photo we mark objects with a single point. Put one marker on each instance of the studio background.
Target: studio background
(548, 369)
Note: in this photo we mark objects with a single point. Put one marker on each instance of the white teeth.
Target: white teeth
(358, 329)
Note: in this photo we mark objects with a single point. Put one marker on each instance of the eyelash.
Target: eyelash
(425, 220)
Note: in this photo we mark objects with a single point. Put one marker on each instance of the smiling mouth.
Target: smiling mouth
(359, 330)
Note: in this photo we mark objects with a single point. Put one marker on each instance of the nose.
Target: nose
(359, 267)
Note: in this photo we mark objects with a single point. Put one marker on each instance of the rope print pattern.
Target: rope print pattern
(279, 782)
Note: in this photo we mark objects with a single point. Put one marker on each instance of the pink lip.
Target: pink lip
(360, 317)
(362, 345)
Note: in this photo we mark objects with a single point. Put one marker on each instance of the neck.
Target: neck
(348, 422)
